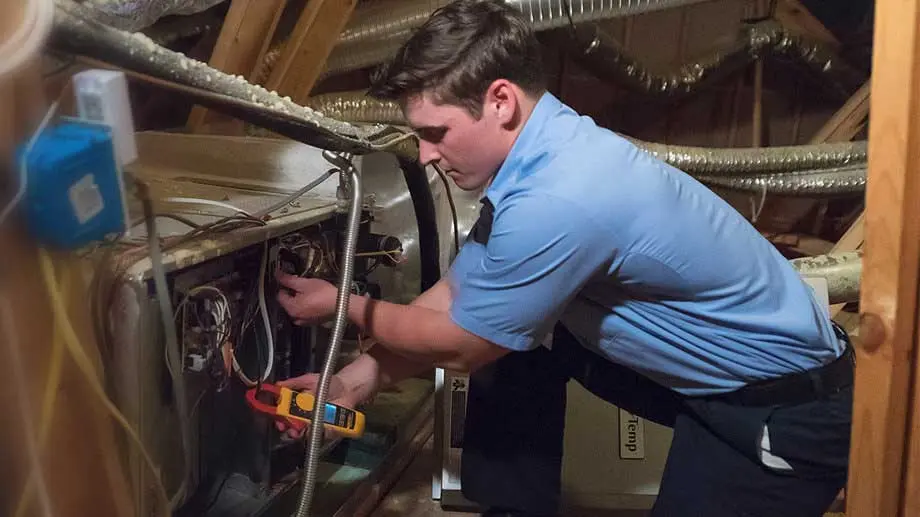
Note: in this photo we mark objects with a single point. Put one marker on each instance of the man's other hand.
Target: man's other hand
(306, 300)
(339, 393)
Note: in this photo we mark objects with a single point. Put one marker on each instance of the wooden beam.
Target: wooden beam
(243, 41)
(304, 56)
(794, 16)
(848, 121)
(887, 359)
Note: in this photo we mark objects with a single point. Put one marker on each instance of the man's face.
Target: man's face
(470, 151)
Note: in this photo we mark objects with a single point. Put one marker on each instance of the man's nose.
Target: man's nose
(428, 153)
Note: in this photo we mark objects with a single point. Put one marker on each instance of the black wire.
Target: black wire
(453, 207)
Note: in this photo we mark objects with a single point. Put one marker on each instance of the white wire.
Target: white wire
(29, 37)
(263, 309)
(200, 201)
(23, 168)
(12, 339)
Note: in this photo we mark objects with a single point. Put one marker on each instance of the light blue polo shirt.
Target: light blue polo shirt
(644, 264)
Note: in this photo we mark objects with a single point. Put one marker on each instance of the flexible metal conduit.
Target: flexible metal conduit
(352, 178)
(603, 56)
(376, 31)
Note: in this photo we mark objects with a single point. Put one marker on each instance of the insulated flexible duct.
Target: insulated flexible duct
(77, 33)
(842, 272)
(840, 181)
(133, 15)
(705, 162)
(603, 56)
(376, 31)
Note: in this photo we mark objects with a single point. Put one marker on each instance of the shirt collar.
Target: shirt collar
(528, 141)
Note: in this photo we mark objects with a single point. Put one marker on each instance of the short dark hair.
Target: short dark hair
(459, 51)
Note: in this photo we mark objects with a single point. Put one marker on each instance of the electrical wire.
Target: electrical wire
(84, 364)
(23, 168)
(266, 321)
(49, 399)
(169, 329)
(29, 38)
(210, 202)
(11, 336)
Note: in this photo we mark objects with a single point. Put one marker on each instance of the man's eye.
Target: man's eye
(432, 135)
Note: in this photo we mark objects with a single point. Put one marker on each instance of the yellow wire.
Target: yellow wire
(48, 400)
(62, 322)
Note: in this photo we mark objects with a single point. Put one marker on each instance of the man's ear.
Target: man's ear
(501, 102)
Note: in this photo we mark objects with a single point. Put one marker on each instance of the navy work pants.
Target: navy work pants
(513, 440)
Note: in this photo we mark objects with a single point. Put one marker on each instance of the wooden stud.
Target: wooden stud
(305, 53)
(243, 41)
(886, 359)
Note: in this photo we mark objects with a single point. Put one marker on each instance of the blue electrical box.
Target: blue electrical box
(75, 192)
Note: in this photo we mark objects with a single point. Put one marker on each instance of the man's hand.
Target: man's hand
(306, 300)
(340, 392)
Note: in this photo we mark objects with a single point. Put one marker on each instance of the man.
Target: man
(669, 304)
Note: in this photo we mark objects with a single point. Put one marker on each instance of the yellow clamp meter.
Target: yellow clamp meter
(295, 408)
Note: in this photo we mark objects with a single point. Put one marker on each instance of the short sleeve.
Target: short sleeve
(541, 252)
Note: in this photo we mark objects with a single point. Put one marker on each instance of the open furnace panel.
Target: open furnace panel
(239, 463)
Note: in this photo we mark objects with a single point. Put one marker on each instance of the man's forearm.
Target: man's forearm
(421, 334)
(383, 365)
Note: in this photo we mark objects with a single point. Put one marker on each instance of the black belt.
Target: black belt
(799, 388)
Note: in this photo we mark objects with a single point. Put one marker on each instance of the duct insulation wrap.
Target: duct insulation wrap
(376, 31)
(134, 15)
(842, 271)
(75, 32)
(603, 56)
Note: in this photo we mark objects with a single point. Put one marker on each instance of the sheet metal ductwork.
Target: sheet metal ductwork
(603, 56)
(376, 31)
(842, 271)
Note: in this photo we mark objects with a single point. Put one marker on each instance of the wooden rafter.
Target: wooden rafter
(304, 56)
(243, 41)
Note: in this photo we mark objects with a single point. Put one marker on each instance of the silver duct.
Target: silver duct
(758, 160)
(840, 181)
(842, 271)
(77, 33)
(720, 166)
(375, 32)
(357, 107)
(603, 56)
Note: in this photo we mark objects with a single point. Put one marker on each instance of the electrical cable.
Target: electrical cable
(161, 290)
(49, 399)
(296, 195)
(210, 202)
(11, 337)
(84, 364)
(266, 321)
(23, 168)
(29, 38)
